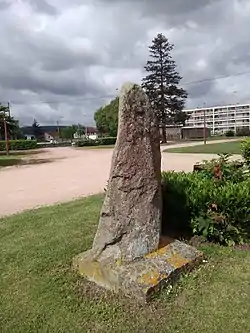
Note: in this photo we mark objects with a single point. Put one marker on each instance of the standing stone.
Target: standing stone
(126, 253)
(130, 220)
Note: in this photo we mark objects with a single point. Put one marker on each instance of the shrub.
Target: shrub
(244, 131)
(97, 142)
(245, 150)
(209, 203)
(85, 143)
(19, 145)
(106, 141)
(222, 169)
(230, 133)
(55, 144)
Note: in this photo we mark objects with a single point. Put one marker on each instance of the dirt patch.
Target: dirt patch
(63, 174)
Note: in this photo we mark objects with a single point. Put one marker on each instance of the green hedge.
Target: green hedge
(19, 145)
(243, 131)
(245, 150)
(97, 142)
(229, 134)
(54, 145)
(106, 141)
(208, 203)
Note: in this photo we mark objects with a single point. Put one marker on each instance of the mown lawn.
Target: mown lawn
(10, 160)
(41, 293)
(232, 147)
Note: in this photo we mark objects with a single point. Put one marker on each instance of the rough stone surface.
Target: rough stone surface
(130, 220)
(127, 253)
(142, 278)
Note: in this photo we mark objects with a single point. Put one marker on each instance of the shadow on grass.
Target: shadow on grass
(8, 162)
(23, 152)
(37, 161)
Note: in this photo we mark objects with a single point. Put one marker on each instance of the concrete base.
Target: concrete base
(144, 277)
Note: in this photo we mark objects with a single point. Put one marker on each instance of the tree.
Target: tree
(106, 118)
(79, 130)
(180, 118)
(162, 84)
(37, 131)
(67, 133)
(12, 124)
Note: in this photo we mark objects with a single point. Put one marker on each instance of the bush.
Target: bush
(245, 150)
(230, 134)
(85, 143)
(52, 145)
(97, 142)
(106, 141)
(244, 131)
(221, 169)
(19, 145)
(209, 203)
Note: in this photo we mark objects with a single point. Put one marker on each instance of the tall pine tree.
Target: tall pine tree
(162, 85)
(37, 131)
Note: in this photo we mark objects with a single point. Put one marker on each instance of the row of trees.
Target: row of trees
(161, 84)
(14, 131)
(65, 133)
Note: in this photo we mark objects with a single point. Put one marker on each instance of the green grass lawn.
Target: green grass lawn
(41, 293)
(10, 160)
(22, 153)
(21, 157)
(211, 148)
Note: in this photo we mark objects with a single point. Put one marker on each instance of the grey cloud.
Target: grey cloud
(43, 6)
(47, 71)
(4, 4)
(167, 7)
(172, 12)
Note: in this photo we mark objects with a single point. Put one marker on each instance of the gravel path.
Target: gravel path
(71, 173)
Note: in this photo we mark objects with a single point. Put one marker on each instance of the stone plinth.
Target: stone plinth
(142, 278)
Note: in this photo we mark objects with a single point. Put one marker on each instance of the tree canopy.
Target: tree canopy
(37, 131)
(12, 125)
(106, 118)
(68, 132)
(162, 84)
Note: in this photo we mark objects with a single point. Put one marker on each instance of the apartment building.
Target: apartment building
(220, 119)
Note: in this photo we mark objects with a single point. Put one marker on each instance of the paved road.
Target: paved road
(72, 173)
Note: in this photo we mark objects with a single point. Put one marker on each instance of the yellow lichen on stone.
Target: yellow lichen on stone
(90, 269)
(119, 262)
(151, 278)
(177, 261)
(157, 253)
(99, 274)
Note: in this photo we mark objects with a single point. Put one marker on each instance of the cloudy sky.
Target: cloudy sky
(62, 59)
